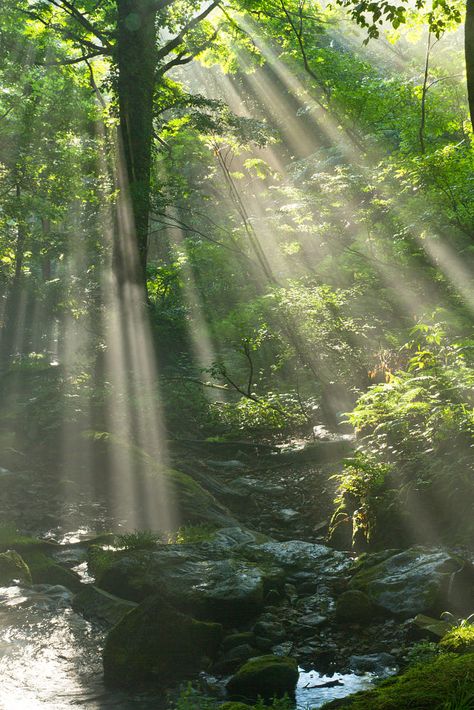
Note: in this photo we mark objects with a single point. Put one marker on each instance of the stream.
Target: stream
(50, 656)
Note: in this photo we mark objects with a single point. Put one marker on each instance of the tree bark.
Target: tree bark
(469, 50)
(136, 62)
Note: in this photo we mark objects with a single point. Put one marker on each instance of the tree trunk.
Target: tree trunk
(136, 63)
(12, 307)
(469, 47)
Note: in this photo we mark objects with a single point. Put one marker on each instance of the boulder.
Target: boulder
(225, 590)
(156, 644)
(95, 604)
(297, 555)
(265, 676)
(13, 569)
(415, 581)
(425, 626)
(354, 607)
(44, 570)
(382, 664)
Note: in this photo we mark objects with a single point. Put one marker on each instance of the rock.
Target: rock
(262, 643)
(194, 504)
(319, 451)
(232, 464)
(287, 515)
(13, 569)
(266, 676)
(426, 626)
(234, 658)
(44, 570)
(154, 643)
(415, 581)
(354, 607)
(94, 603)
(221, 590)
(313, 620)
(298, 555)
(232, 640)
(235, 706)
(273, 631)
(282, 649)
(382, 664)
(247, 484)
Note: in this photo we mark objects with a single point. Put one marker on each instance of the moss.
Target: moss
(265, 676)
(11, 539)
(235, 706)
(442, 683)
(13, 568)
(459, 640)
(156, 644)
(44, 570)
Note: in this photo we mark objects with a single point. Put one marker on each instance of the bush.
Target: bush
(413, 476)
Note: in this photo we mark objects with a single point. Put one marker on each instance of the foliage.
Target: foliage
(188, 534)
(417, 436)
(139, 540)
(459, 640)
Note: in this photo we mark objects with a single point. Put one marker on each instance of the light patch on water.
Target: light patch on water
(315, 689)
(50, 657)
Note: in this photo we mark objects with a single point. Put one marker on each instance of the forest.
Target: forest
(236, 354)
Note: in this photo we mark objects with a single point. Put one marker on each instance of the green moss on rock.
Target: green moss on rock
(44, 570)
(265, 676)
(156, 644)
(235, 706)
(446, 682)
(13, 568)
(459, 640)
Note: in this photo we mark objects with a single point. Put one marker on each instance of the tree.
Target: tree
(128, 33)
(439, 15)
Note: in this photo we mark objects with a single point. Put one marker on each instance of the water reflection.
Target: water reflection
(315, 689)
(50, 657)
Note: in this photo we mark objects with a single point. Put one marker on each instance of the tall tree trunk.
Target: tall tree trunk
(469, 47)
(12, 307)
(136, 62)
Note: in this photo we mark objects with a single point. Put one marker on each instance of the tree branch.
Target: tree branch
(176, 41)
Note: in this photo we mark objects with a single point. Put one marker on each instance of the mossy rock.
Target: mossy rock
(235, 706)
(156, 644)
(266, 677)
(191, 502)
(11, 539)
(44, 570)
(459, 640)
(415, 581)
(446, 682)
(354, 607)
(228, 590)
(13, 568)
(94, 603)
